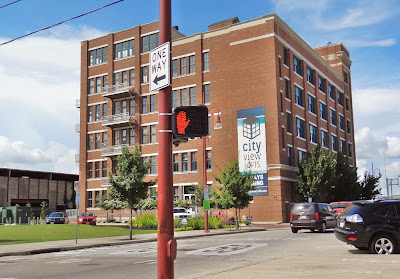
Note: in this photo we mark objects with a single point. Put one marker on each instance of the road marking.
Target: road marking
(138, 251)
(70, 261)
(372, 261)
(228, 249)
(146, 262)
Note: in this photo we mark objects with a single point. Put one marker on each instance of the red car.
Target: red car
(339, 206)
(87, 218)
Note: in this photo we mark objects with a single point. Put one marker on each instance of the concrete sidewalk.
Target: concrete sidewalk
(66, 245)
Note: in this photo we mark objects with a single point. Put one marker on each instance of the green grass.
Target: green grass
(40, 233)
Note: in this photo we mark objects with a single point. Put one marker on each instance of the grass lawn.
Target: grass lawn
(39, 233)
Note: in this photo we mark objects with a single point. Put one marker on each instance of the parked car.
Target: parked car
(87, 218)
(312, 216)
(181, 213)
(57, 218)
(339, 206)
(371, 225)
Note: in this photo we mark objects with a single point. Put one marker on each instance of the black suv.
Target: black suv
(373, 225)
(312, 216)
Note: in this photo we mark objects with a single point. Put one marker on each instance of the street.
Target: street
(266, 254)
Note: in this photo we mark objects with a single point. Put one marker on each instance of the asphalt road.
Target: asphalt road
(266, 254)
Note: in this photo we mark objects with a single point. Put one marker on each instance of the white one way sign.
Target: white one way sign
(160, 67)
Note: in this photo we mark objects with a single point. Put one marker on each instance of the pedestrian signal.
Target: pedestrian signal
(190, 121)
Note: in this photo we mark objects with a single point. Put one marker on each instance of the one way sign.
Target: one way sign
(160, 76)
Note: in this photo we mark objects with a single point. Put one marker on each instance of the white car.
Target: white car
(181, 213)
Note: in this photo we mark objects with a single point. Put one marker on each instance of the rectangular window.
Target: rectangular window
(90, 142)
(347, 104)
(289, 122)
(131, 107)
(300, 125)
(206, 61)
(312, 105)
(144, 74)
(104, 139)
(324, 139)
(96, 198)
(313, 133)
(283, 137)
(104, 169)
(176, 193)
(98, 56)
(346, 77)
(90, 170)
(153, 166)
(290, 155)
(144, 104)
(334, 142)
(322, 111)
(149, 42)
(116, 78)
(117, 107)
(124, 137)
(300, 155)
(174, 68)
(124, 49)
(343, 146)
(206, 90)
(96, 169)
(208, 160)
(279, 67)
(105, 83)
(184, 162)
(341, 122)
(299, 95)
(175, 162)
(281, 99)
(105, 110)
(174, 98)
(183, 66)
(286, 56)
(89, 199)
(97, 141)
(192, 64)
(349, 127)
(311, 76)
(183, 97)
(331, 89)
(322, 84)
(91, 86)
(131, 77)
(193, 161)
(350, 148)
(332, 114)
(192, 96)
(153, 134)
(340, 96)
(131, 136)
(124, 77)
(115, 166)
(90, 114)
(297, 65)
(144, 135)
(97, 113)
(116, 137)
(287, 88)
(152, 103)
(98, 84)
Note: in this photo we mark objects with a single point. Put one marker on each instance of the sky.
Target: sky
(40, 74)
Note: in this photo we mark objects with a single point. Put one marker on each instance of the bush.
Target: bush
(183, 229)
(214, 223)
(146, 221)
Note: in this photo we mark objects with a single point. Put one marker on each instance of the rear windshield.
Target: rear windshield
(339, 205)
(303, 207)
(179, 210)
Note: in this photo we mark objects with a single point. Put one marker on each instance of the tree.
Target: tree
(369, 186)
(235, 190)
(316, 175)
(129, 185)
(43, 210)
(347, 187)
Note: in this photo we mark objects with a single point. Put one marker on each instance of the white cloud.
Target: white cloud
(282, 6)
(369, 145)
(361, 43)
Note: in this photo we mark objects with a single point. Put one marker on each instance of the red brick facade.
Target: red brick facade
(246, 69)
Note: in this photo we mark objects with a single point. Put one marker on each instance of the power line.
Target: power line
(54, 25)
(9, 4)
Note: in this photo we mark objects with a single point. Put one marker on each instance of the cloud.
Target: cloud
(360, 43)
(283, 6)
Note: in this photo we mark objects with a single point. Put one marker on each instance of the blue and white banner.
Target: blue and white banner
(252, 147)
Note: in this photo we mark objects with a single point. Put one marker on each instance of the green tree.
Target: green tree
(129, 185)
(235, 190)
(369, 186)
(43, 210)
(347, 187)
(316, 175)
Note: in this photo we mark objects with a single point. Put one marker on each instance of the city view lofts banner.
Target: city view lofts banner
(252, 147)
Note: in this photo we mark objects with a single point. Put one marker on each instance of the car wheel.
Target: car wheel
(294, 230)
(323, 228)
(382, 244)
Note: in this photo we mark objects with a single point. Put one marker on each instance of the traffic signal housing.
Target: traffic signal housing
(190, 122)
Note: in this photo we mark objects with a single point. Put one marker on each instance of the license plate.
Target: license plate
(51, 222)
(341, 224)
(87, 223)
(303, 217)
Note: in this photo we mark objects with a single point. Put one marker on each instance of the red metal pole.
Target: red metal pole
(166, 244)
(205, 171)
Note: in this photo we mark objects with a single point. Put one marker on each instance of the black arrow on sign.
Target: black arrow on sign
(157, 79)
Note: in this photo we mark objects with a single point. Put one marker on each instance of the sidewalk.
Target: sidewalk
(66, 245)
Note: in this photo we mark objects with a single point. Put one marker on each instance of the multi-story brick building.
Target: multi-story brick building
(303, 96)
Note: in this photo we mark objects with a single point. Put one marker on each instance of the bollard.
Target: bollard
(37, 221)
(19, 220)
(10, 221)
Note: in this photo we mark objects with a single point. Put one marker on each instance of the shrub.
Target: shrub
(146, 221)
(214, 223)
(197, 223)
(183, 229)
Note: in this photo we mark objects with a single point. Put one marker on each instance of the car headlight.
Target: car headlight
(80, 220)
(355, 218)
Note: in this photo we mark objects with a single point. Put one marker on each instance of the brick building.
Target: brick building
(259, 76)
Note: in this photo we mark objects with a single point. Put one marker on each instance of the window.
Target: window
(192, 96)
(347, 104)
(97, 113)
(149, 42)
(341, 122)
(89, 199)
(116, 137)
(96, 169)
(176, 192)
(116, 78)
(286, 56)
(290, 155)
(332, 114)
(343, 146)
(301, 154)
(153, 133)
(104, 169)
(131, 136)
(299, 95)
(175, 162)
(152, 103)
(332, 94)
(153, 166)
(208, 160)
(300, 125)
(90, 142)
(105, 110)
(322, 110)
(91, 86)
(313, 133)
(104, 138)
(193, 161)
(281, 99)
(90, 170)
(144, 134)
(105, 83)
(96, 198)
(311, 76)
(350, 148)
(206, 89)
(192, 64)
(289, 122)
(324, 138)
(90, 114)
(349, 127)
(124, 77)
(144, 104)
(184, 162)
(131, 107)
(297, 65)
(174, 98)
(340, 96)
(98, 56)
(124, 49)
(115, 166)
(279, 67)
(144, 75)
(98, 84)
(124, 137)
(206, 62)
(97, 141)
(312, 106)
(322, 84)
(287, 88)
(117, 107)
(283, 137)
(183, 66)
(346, 77)
(174, 68)
(131, 77)
(334, 142)
(183, 97)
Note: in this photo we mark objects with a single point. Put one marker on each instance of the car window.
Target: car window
(302, 207)
(179, 210)
(386, 211)
(391, 212)
(56, 215)
(330, 209)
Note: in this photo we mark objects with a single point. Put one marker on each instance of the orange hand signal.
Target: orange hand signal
(182, 122)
